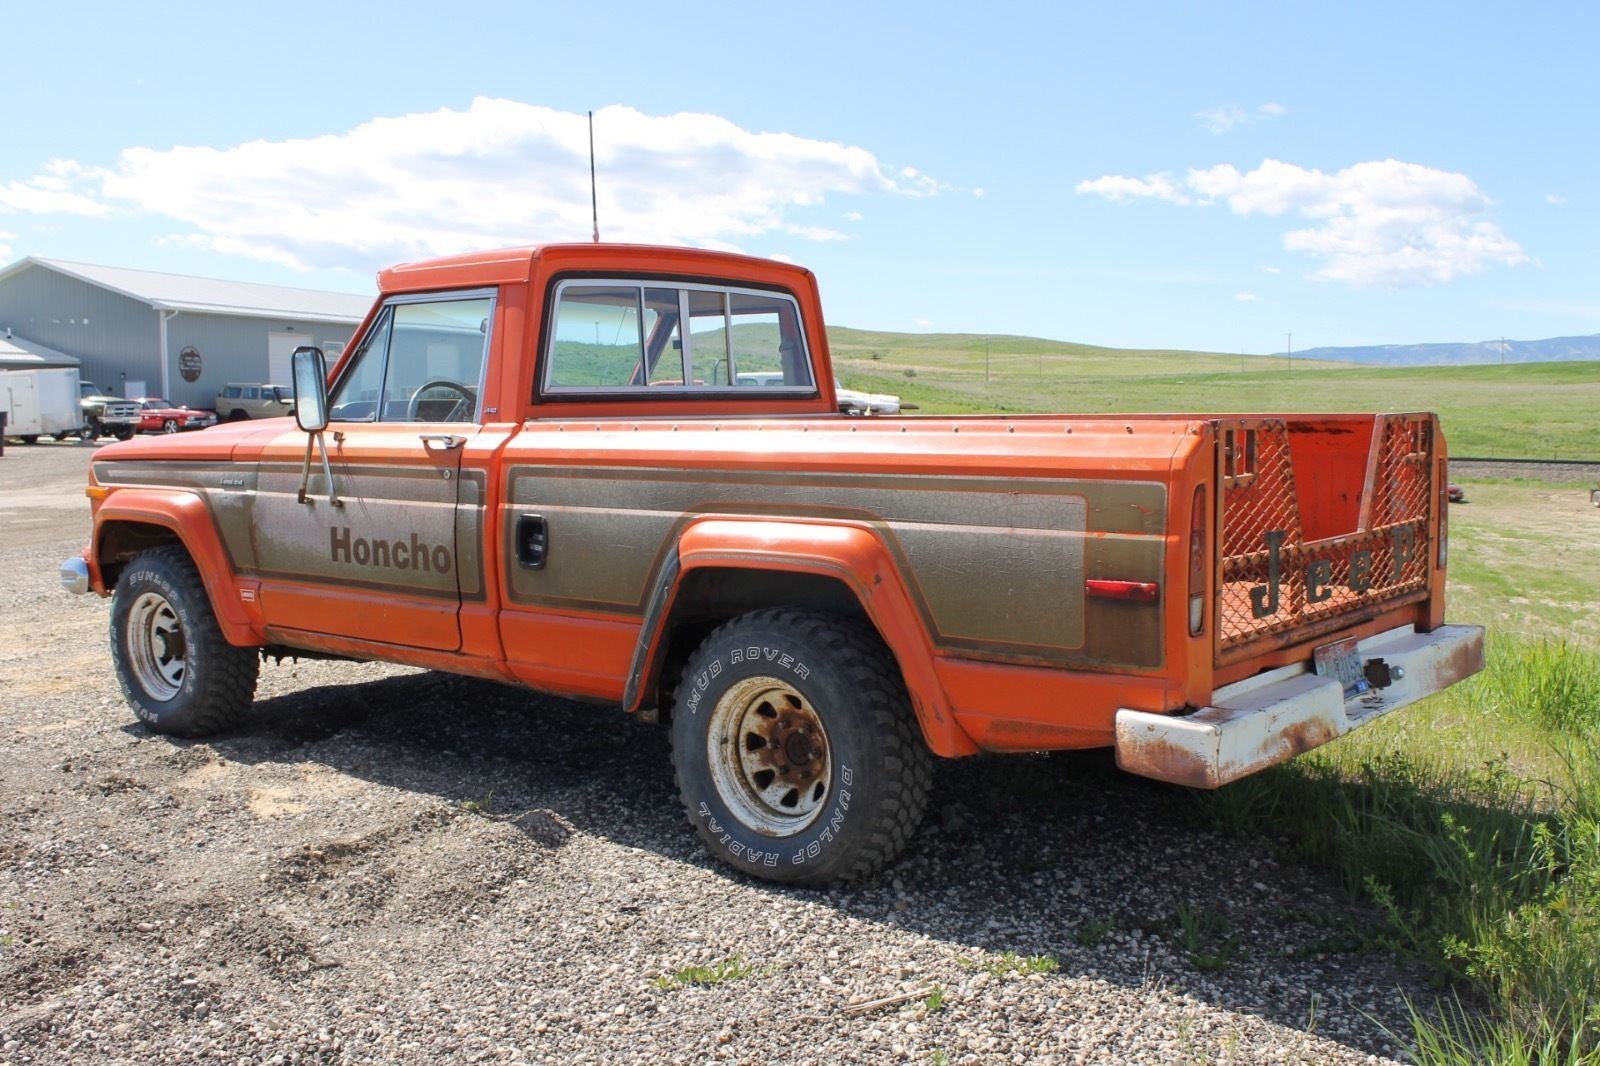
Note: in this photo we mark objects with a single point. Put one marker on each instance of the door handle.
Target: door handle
(445, 441)
(533, 541)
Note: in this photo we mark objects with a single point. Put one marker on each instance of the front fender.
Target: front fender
(850, 554)
(186, 515)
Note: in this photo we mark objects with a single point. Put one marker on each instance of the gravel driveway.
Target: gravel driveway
(391, 865)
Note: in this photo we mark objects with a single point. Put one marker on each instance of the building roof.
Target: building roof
(182, 292)
(18, 354)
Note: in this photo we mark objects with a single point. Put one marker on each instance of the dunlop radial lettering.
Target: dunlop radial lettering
(1292, 554)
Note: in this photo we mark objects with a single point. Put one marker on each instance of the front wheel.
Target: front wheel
(177, 671)
(170, 426)
(798, 758)
(124, 434)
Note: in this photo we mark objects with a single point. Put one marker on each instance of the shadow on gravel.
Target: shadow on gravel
(1116, 877)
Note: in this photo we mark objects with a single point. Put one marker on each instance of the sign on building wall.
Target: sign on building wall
(189, 364)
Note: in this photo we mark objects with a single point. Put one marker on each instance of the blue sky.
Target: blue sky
(1206, 176)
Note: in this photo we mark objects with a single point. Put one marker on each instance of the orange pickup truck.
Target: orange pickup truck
(620, 473)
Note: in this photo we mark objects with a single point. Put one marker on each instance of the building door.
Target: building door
(280, 346)
(390, 554)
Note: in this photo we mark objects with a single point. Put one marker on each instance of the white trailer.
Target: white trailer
(41, 403)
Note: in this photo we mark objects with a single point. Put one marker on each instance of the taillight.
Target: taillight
(1197, 562)
(1444, 515)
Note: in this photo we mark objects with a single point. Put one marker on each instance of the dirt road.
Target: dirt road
(388, 865)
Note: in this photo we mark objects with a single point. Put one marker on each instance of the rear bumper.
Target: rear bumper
(1274, 716)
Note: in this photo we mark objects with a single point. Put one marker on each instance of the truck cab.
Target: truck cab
(621, 474)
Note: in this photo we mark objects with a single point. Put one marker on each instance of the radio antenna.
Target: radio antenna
(594, 197)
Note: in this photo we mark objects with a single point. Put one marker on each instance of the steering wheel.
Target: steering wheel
(465, 401)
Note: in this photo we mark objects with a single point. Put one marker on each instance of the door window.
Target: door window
(422, 361)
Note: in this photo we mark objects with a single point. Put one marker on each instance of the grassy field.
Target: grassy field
(1471, 821)
(1538, 410)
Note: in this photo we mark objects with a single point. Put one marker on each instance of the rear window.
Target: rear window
(629, 336)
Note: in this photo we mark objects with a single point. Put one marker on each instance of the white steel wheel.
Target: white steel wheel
(769, 756)
(157, 649)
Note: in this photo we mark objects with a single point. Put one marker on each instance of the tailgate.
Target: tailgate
(1323, 522)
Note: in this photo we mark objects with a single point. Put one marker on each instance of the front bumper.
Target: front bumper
(1274, 716)
(74, 575)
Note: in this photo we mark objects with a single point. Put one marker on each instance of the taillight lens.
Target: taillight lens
(1197, 562)
(1444, 515)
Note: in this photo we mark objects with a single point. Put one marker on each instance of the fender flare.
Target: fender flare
(850, 554)
(188, 517)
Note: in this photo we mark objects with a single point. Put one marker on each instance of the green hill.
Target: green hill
(1539, 410)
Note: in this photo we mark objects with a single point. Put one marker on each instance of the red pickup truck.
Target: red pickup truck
(621, 474)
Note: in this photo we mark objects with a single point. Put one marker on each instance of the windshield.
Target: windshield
(153, 403)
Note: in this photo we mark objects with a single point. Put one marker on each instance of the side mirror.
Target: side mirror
(310, 374)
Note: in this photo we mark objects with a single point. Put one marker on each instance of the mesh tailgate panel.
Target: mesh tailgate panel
(1385, 559)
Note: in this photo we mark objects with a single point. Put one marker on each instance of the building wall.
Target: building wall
(112, 335)
(232, 349)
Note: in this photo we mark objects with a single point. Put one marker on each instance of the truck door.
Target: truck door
(388, 555)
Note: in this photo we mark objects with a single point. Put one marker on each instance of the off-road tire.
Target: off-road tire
(880, 769)
(219, 680)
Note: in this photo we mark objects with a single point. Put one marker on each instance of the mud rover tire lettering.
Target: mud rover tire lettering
(874, 770)
(214, 683)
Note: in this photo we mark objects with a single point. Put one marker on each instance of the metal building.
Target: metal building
(142, 333)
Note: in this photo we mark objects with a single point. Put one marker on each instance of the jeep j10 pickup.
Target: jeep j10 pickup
(620, 474)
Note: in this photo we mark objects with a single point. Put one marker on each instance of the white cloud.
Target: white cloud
(854, 216)
(51, 192)
(1383, 222)
(979, 193)
(5, 246)
(1246, 297)
(1120, 189)
(780, 257)
(1222, 119)
(1270, 270)
(496, 173)
(1554, 198)
(924, 323)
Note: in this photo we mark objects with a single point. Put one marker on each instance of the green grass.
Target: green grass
(1009, 962)
(732, 968)
(1540, 410)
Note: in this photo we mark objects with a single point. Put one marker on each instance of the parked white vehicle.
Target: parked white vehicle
(41, 403)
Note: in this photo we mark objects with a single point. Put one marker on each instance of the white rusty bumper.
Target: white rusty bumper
(1266, 719)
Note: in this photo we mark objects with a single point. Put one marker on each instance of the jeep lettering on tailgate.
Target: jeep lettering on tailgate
(640, 486)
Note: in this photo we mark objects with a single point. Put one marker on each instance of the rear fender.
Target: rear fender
(852, 555)
(185, 515)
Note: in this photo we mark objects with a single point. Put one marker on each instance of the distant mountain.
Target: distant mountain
(1553, 349)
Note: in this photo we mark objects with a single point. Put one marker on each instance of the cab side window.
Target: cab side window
(649, 337)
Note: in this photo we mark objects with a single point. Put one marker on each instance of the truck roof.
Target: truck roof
(508, 265)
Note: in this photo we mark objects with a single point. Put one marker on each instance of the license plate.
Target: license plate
(1342, 660)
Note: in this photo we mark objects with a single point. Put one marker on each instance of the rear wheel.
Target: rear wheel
(30, 438)
(177, 671)
(236, 415)
(798, 758)
(170, 426)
